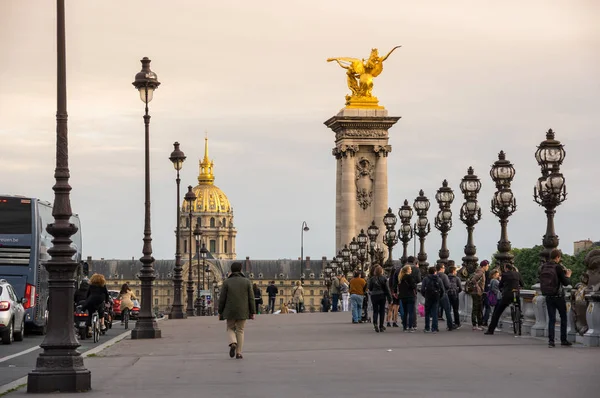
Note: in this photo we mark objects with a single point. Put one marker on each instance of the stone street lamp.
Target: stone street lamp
(60, 366)
(345, 259)
(327, 274)
(146, 328)
(363, 240)
(443, 220)
(190, 198)
(354, 247)
(503, 205)
(422, 229)
(373, 233)
(550, 190)
(198, 237)
(205, 272)
(177, 158)
(470, 214)
(304, 228)
(406, 231)
(390, 238)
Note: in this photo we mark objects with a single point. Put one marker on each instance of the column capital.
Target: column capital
(343, 150)
(382, 150)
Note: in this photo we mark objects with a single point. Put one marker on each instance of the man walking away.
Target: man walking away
(553, 276)
(453, 291)
(335, 293)
(475, 286)
(432, 290)
(379, 291)
(416, 276)
(236, 305)
(272, 292)
(445, 300)
(510, 283)
(357, 291)
(394, 307)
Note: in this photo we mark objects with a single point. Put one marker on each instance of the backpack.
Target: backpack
(344, 287)
(549, 280)
(471, 285)
(453, 290)
(491, 298)
(432, 289)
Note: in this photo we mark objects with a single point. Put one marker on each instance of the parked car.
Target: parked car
(116, 303)
(12, 314)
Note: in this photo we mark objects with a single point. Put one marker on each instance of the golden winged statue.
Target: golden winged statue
(360, 74)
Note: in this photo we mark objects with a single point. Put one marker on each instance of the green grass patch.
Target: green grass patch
(13, 389)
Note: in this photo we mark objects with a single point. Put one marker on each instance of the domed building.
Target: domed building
(213, 212)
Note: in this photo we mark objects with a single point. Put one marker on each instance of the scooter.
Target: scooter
(81, 321)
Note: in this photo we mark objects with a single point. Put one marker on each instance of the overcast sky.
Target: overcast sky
(471, 78)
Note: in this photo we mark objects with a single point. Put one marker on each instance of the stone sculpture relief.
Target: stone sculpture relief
(364, 182)
(590, 283)
(361, 133)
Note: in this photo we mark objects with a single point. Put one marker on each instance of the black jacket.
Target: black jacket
(511, 280)
(272, 290)
(377, 285)
(407, 287)
(562, 277)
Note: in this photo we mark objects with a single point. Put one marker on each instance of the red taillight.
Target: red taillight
(30, 296)
(4, 305)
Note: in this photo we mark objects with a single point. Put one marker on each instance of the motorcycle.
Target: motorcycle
(109, 315)
(81, 321)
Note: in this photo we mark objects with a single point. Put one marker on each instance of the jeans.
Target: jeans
(477, 313)
(409, 313)
(401, 309)
(235, 332)
(454, 304)
(271, 307)
(345, 299)
(445, 304)
(486, 311)
(553, 304)
(378, 302)
(335, 298)
(431, 311)
(356, 301)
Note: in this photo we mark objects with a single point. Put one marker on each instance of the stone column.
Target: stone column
(348, 197)
(338, 199)
(381, 190)
(540, 328)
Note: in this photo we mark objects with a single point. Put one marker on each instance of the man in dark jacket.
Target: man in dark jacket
(416, 276)
(510, 283)
(236, 305)
(272, 292)
(453, 291)
(555, 301)
(432, 289)
(335, 292)
(445, 300)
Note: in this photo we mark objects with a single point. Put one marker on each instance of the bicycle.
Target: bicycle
(95, 326)
(516, 315)
(125, 316)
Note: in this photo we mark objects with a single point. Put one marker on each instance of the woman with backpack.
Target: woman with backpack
(379, 291)
(407, 293)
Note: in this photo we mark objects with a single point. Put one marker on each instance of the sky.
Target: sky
(472, 78)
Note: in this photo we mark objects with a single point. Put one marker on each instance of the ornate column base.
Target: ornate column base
(540, 328)
(592, 337)
(146, 328)
(528, 311)
(64, 373)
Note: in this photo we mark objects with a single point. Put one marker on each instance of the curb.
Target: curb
(22, 382)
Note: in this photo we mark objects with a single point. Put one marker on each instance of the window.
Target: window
(281, 292)
(281, 283)
(187, 222)
(212, 222)
(312, 292)
(199, 221)
(224, 222)
(168, 292)
(312, 301)
(155, 301)
(137, 292)
(225, 247)
(168, 301)
(321, 292)
(213, 244)
(156, 292)
(280, 301)
(312, 283)
(185, 245)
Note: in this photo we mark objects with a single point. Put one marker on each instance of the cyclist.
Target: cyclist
(126, 296)
(510, 284)
(96, 297)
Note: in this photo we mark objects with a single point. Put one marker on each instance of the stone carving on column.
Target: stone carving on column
(344, 151)
(382, 150)
(364, 183)
(590, 283)
(361, 133)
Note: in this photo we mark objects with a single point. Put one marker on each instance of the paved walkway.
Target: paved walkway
(324, 355)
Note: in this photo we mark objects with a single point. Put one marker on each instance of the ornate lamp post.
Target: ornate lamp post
(304, 228)
(205, 271)
(550, 190)
(345, 259)
(390, 237)
(470, 214)
(177, 158)
(373, 233)
(503, 204)
(190, 198)
(354, 247)
(362, 239)
(145, 327)
(60, 366)
(443, 220)
(422, 229)
(198, 236)
(406, 231)
(328, 272)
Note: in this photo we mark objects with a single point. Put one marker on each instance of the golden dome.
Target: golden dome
(209, 197)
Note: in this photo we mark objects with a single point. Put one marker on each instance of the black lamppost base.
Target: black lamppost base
(177, 315)
(146, 329)
(64, 373)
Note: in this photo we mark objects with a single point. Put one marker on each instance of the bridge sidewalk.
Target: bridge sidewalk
(324, 355)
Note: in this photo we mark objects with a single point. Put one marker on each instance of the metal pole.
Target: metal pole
(60, 366)
(190, 283)
(177, 308)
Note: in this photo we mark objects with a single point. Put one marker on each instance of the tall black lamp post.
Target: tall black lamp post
(362, 240)
(145, 327)
(550, 190)
(373, 233)
(406, 231)
(443, 220)
(190, 198)
(345, 259)
(504, 204)
(470, 214)
(198, 237)
(177, 158)
(304, 228)
(327, 274)
(354, 248)
(205, 271)
(390, 237)
(60, 366)
(422, 229)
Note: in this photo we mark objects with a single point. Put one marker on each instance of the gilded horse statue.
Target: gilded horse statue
(360, 74)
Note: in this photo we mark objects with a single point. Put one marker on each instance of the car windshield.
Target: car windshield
(0, 290)
(113, 294)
